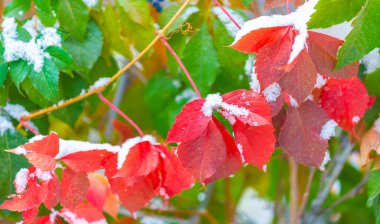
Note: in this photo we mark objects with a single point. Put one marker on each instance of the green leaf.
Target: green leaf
(373, 186)
(364, 37)
(137, 10)
(46, 81)
(17, 8)
(33, 94)
(10, 164)
(201, 60)
(170, 11)
(112, 32)
(73, 17)
(327, 15)
(246, 3)
(23, 34)
(85, 52)
(3, 73)
(18, 71)
(69, 88)
(61, 58)
(372, 82)
(45, 12)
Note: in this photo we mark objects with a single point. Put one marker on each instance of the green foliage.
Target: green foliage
(45, 13)
(17, 8)
(18, 71)
(73, 17)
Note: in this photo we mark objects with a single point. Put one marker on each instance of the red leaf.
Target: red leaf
(212, 155)
(300, 136)
(270, 4)
(125, 130)
(30, 214)
(300, 80)
(323, 50)
(175, 177)
(82, 211)
(86, 161)
(345, 100)
(189, 124)
(53, 190)
(73, 188)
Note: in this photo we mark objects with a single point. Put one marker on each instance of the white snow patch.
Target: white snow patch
(5, 125)
(230, 26)
(328, 129)
(339, 31)
(16, 111)
(320, 82)
(376, 124)
(21, 180)
(49, 37)
(99, 83)
(254, 83)
(67, 147)
(128, 144)
(355, 119)
(248, 66)
(73, 218)
(214, 101)
(90, 3)
(326, 159)
(297, 19)
(240, 148)
(188, 94)
(42, 175)
(189, 11)
(371, 61)
(293, 102)
(272, 92)
(20, 151)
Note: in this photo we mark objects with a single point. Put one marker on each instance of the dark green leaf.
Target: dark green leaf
(17, 8)
(3, 73)
(46, 81)
(87, 51)
(201, 60)
(73, 17)
(373, 186)
(18, 71)
(327, 14)
(33, 94)
(45, 12)
(10, 164)
(372, 82)
(364, 37)
(61, 58)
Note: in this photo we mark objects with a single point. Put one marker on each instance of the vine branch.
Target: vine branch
(159, 35)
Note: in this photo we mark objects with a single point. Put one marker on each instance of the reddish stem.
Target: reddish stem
(117, 110)
(227, 13)
(182, 66)
(30, 128)
(288, 6)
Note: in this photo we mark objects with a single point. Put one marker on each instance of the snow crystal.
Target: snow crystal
(355, 119)
(67, 147)
(90, 3)
(272, 92)
(16, 111)
(230, 26)
(50, 37)
(186, 94)
(72, 218)
(371, 61)
(53, 215)
(32, 51)
(339, 31)
(326, 159)
(293, 102)
(254, 83)
(42, 175)
(297, 19)
(328, 129)
(128, 144)
(320, 82)
(100, 83)
(20, 151)
(21, 180)
(240, 148)
(212, 101)
(5, 125)
(376, 124)
(248, 66)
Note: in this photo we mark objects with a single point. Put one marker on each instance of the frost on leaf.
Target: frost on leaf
(300, 135)
(345, 100)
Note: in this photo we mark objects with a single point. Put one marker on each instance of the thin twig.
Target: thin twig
(307, 192)
(293, 166)
(352, 193)
(117, 110)
(159, 35)
(26, 125)
(227, 13)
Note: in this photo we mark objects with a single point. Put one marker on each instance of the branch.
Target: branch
(159, 35)
(307, 192)
(293, 166)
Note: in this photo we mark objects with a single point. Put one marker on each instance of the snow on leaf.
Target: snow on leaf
(300, 135)
(21, 180)
(328, 129)
(84, 213)
(344, 100)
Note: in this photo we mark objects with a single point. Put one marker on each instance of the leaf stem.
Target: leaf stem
(307, 192)
(182, 67)
(293, 166)
(117, 110)
(160, 34)
(227, 14)
(25, 124)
